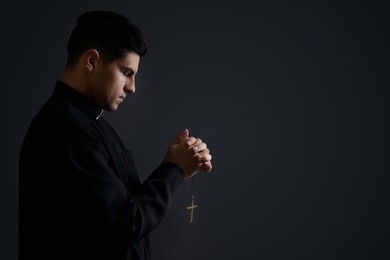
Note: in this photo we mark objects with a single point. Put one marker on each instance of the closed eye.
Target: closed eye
(128, 73)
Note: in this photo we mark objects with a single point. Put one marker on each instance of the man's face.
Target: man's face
(110, 83)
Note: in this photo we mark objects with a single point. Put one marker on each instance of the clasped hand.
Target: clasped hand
(190, 154)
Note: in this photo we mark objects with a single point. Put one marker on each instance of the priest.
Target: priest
(80, 194)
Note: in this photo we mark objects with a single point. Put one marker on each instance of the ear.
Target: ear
(91, 59)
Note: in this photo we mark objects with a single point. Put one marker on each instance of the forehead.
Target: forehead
(130, 60)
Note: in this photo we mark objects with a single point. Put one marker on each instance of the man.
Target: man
(80, 195)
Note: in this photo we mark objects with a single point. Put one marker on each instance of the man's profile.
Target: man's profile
(80, 194)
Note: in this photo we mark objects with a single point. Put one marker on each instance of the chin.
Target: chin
(111, 107)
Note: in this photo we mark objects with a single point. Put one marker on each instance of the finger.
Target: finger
(196, 142)
(201, 158)
(201, 147)
(206, 167)
(191, 141)
(204, 152)
(181, 137)
(206, 158)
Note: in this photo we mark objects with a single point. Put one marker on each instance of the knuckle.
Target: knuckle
(190, 141)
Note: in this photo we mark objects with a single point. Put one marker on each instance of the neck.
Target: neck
(76, 79)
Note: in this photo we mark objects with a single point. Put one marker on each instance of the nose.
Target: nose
(130, 86)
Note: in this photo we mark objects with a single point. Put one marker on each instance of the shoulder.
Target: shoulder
(59, 119)
(59, 113)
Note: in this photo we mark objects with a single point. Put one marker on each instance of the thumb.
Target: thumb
(181, 137)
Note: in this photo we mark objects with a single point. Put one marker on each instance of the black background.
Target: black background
(291, 98)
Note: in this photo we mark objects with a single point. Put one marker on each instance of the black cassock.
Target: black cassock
(80, 195)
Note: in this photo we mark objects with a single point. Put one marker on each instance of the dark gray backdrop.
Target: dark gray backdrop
(290, 97)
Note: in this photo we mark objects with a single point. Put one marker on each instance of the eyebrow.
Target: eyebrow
(128, 68)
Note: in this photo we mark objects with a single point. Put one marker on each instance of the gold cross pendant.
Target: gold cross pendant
(192, 207)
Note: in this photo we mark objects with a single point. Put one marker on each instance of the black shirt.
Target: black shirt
(80, 194)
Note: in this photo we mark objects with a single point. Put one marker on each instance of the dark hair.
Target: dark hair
(111, 34)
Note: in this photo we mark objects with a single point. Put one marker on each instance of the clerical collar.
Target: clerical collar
(77, 99)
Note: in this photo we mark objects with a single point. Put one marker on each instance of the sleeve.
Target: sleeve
(123, 217)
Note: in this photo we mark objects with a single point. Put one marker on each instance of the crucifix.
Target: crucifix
(192, 207)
